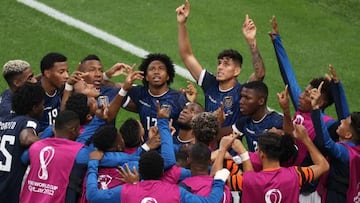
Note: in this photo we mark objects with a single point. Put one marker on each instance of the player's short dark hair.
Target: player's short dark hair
(48, 61)
(66, 120)
(130, 131)
(26, 97)
(233, 54)
(205, 126)
(355, 125)
(78, 103)
(325, 90)
(158, 57)
(200, 154)
(151, 165)
(105, 137)
(90, 57)
(259, 86)
(277, 147)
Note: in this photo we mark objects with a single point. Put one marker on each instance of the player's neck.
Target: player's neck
(259, 115)
(269, 165)
(158, 91)
(185, 136)
(48, 88)
(227, 85)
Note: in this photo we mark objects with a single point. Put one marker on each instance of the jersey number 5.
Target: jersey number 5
(5, 165)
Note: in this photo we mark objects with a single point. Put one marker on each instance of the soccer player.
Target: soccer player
(185, 134)
(257, 118)
(15, 73)
(281, 183)
(18, 132)
(56, 164)
(344, 156)
(224, 86)
(54, 70)
(159, 73)
(200, 181)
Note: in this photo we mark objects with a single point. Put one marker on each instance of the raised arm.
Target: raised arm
(333, 149)
(320, 163)
(249, 32)
(185, 51)
(338, 93)
(285, 66)
(283, 99)
(117, 101)
(167, 146)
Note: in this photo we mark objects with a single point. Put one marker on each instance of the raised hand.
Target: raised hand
(154, 140)
(283, 98)
(238, 146)
(300, 132)
(127, 175)
(190, 92)
(117, 69)
(227, 141)
(332, 76)
(171, 127)
(76, 76)
(220, 114)
(85, 88)
(183, 12)
(315, 95)
(163, 111)
(131, 77)
(274, 26)
(249, 28)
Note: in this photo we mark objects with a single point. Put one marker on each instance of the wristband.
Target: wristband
(244, 156)
(237, 159)
(122, 92)
(222, 174)
(105, 77)
(68, 87)
(145, 147)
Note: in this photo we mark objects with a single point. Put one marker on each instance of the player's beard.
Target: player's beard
(184, 126)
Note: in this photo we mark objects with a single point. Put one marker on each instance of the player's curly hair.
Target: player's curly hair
(151, 165)
(158, 57)
(205, 126)
(78, 103)
(130, 131)
(26, 97)
(105, 138)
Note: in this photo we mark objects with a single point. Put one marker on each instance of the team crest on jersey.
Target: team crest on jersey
(228, 101)
(46, 155)
(149, 200)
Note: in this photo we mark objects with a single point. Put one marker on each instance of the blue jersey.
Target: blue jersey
(214, 96)
(11, 168)
(146, 104)
(109, 91)
(52, 105)
(252, 129)
(6, 103)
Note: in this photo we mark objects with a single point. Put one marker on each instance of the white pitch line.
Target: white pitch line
(98, 33)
